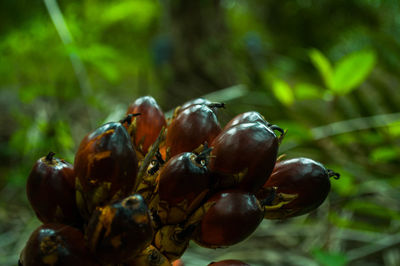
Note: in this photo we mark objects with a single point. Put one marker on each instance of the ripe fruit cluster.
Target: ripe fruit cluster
(140, 189)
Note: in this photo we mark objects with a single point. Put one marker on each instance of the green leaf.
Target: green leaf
(140, 12)
(306, 91)
(352, 70)
(394, 129)
(283, 92)
(323, 65)
(329, 259)
(384, 154)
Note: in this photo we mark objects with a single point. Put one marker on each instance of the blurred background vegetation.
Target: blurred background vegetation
(326, 70)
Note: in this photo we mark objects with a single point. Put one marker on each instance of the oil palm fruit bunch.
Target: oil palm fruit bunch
(140, 189)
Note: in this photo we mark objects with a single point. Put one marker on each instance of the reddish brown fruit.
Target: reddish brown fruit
(58, 245)
(307, 179)
(120, 231)
(51, 191)
(183, 183)
(191, 128)
(248, 117)
(106, 167)
(229, 217)
(148, 124)
(244, 156)
(228, 263)
(197, 101)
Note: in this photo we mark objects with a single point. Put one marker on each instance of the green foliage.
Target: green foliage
(283, 92)
(329, 259)
(306, 91)
(385, 154)
(352, 70)
(348, 73)
(323, 65)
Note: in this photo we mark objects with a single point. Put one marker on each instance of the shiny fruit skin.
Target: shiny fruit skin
(191, 128)
(58, 245)
(106, 161)
(120, 231)
(197, 101)
(51, 191)
(302, 176)
(183, 183)
(228, 263)
(246, 150)
(233, 215)
(247, 117)
(148, 124)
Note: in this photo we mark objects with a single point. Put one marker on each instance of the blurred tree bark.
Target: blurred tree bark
(201, 59)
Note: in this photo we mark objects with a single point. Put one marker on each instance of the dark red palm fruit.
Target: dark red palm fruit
(244, 156)
(229, 263)
(304, 177)
(229, 218)
(150, 256)
(148, 124)
(120, 231)
(58, 245)
(183, 183)
(191, 128)
(105, 166)
(190, 103)
(51, 191)
(247, 117)
(199, 101)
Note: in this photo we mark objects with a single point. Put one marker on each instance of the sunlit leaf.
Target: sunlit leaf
(352, 70)
(323, 65)
(394, 129)
(283, 92)
(139, 12)
(384, 154)
(306, 91)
